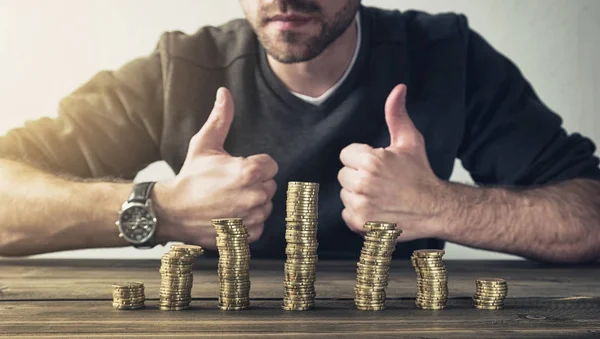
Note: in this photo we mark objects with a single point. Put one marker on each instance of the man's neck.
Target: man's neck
(316, 76)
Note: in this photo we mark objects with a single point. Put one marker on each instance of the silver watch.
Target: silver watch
(137, 221)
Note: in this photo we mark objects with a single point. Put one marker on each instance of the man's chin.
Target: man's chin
(291, 53)
(289, 47)
(288, 57)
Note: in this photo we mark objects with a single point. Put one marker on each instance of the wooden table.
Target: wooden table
(72, 298)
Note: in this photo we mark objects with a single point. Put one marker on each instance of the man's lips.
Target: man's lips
(289, 21)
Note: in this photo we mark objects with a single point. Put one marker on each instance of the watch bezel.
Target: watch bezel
(148, 208)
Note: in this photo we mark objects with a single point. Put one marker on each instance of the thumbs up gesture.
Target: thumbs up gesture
(214, 184)
(394, 184)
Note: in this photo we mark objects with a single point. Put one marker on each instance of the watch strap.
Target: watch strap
(141, 192)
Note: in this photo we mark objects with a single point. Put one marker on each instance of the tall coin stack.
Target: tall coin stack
(372, 272)
(128, 296)
(490, 293)
(176, 277)
(301, 237)
(234, 264)
(432, 279)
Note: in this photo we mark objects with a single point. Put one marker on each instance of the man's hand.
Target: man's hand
(214, 184)
(394, 184)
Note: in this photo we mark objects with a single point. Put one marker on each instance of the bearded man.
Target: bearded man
(374, 105)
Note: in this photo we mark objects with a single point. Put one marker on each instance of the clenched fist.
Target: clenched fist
(214, 184)
(394, 184)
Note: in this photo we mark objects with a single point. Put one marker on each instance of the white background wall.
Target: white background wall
(50, 47)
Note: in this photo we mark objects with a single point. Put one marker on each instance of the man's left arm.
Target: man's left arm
(555, 222)
(540, 194)
(549, 208)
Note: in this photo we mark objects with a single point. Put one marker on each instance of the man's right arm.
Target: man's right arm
(42, 212)
(58, 188)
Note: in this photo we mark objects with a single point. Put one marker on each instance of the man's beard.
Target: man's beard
(315, 45)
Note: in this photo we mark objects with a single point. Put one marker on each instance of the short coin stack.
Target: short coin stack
(490, 293)
(128, 296)
(301, 237)
(432, 279)
(372, 272)
(234, 264)
(176, 277)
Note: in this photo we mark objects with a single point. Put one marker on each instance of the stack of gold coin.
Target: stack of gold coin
(490, 293)
(128, 296)
(373, 267)
(176, 277)
(432, 279)
(301, 237)
(234, 264)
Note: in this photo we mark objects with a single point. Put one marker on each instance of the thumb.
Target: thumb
(214, 132)
(402, 131)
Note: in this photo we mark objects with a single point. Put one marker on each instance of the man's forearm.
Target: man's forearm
(41, 213)
(559, 223)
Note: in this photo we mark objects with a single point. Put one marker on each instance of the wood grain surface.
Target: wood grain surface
(71, 298)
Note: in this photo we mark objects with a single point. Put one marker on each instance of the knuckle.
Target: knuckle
(263, 197)
(365, 217)
(249, 201)
(257, 198)
(356, 225)
(274, 188)
(347, 217)
(351, 220)
(267, 210)
(271, 188)
(236, 165)
(378, 152)
(251, 172)
(363, 208)
(339, 175)
(374, 161)
(351, 147)
(260, 215)
(272, 163)
(256, 218)
(255, 231)
(364, 183)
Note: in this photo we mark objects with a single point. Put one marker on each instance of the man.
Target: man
(374, 105)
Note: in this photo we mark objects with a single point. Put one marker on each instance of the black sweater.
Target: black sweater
(468, 101)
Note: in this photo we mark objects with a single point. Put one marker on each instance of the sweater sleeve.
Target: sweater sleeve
(108, 127)
(511, 138)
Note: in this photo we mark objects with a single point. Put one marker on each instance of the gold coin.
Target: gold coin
(369, 304)
(490, 281)
(187, 248)
(127, 307)
(481, 307)
(490, 295)
(297, 308)
(431, 307)
(369, 308)
(372, 225)
(128, 285)
(429, 253)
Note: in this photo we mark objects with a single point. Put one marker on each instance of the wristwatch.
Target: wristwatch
(137, 221)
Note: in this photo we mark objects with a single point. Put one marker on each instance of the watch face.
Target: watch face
(137, 224)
